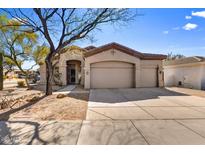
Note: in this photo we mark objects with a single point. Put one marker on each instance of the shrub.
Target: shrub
(33, 99)
(21, 84)
(61, 95)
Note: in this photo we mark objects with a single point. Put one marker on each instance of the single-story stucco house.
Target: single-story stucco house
(186, 72)
(108, 66)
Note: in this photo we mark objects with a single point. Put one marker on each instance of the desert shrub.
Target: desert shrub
(61, 95)
(21, 84)
(33, 99)
(5, 102)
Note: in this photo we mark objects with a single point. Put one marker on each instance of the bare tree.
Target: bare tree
(171, 56)
(62, 27)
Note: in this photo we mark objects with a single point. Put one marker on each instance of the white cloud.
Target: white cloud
(198, 14)
(176, 28)
(166, 32)
(190, 26)
(188, 17)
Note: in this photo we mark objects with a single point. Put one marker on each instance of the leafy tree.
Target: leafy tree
(40, 53)
(19, 46)
(8, 65)
(62, 27)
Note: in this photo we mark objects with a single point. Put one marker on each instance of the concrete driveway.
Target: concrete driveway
(144, 103)
(120, 116)
(143, 116)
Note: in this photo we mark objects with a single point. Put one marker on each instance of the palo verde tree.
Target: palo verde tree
(19, 46)
(8, 65)
(62, 27)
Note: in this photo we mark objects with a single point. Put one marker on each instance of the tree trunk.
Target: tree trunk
(27, 82)
(5, 73)
(1, 71)
(49, 76)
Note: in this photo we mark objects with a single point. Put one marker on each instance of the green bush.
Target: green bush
(21, 84)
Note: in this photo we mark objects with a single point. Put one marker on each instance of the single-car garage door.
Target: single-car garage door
(112, 74)
(149, 77)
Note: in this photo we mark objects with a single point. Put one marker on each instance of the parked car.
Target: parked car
(33, 78)
(21, 76)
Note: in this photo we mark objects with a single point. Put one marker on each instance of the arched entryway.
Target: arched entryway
(73, 72)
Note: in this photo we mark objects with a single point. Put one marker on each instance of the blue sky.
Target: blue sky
(158, 31)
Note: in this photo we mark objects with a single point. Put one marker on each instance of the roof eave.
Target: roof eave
(155, 58)
(125, 50)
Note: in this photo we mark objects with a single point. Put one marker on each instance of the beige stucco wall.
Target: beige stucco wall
(203, 78)
(115, 55)
(191, 75)
(42, 71)
(111, 55)
(64, 57)
(62, 65)
(143, 69)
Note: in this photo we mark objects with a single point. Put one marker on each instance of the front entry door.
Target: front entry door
(71, 74)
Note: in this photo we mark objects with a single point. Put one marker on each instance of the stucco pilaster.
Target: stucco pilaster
(87, 76)
(160, 76)
(137, 75)
(63, 71)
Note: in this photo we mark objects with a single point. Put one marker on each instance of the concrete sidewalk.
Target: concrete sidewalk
(103, 132)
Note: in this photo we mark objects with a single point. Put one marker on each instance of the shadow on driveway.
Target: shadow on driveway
(124, 95)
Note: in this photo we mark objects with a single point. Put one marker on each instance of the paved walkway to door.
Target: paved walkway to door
(65, 90)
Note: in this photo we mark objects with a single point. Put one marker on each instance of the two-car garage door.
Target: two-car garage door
(112, 74)
(116, 74)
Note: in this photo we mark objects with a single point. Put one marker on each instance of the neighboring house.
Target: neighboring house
(16, 73)
(12, 74)
(186, 72)
(108, 66)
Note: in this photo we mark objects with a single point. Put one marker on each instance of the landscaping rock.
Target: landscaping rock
(61, 95)
(33, 99)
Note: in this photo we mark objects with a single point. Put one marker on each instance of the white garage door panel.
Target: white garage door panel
(112, 75)
(149, 77)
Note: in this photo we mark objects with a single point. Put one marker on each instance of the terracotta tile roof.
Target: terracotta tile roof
(186, 60)
(145, 56)
(90, 47)
(151, 55)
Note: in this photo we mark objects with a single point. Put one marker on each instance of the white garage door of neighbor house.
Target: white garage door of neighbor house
(149, 77)
(112, 74)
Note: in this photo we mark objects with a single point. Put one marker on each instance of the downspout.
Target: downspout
(157, 75)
